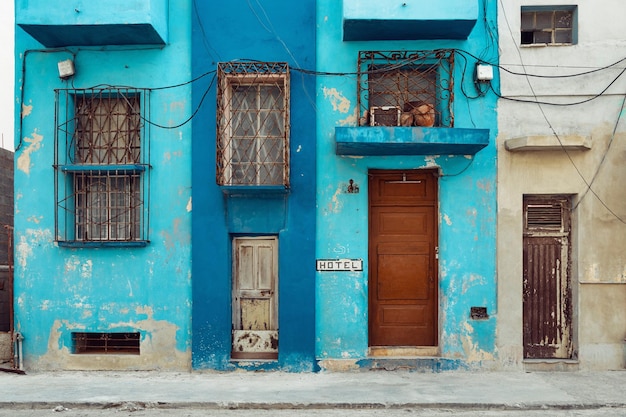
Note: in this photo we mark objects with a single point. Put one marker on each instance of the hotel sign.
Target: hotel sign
(339, 264)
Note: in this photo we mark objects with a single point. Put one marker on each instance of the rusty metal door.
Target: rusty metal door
(547, 292)
(255, 306)
(403, 281)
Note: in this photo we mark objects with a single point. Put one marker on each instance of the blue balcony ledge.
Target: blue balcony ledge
(384, 141)
(369, 20)
(93, 23)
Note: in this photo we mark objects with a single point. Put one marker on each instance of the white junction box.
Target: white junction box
(484, 72)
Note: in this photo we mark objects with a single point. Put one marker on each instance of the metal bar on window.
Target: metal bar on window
(101, 161)
(405, 88)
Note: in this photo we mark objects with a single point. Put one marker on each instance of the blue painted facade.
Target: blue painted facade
(120, 287)
(347, 151)
(243, 31)
(182, 309)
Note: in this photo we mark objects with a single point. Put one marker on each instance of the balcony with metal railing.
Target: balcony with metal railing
(406, 107)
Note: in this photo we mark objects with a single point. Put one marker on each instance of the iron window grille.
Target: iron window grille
(405, 88)
(106, 343)
(101, 160)
(253, 124)
(548, 26)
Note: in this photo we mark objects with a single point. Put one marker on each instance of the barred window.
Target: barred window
(101, 161)
(548, 25)
(405, 88)
(253, 124)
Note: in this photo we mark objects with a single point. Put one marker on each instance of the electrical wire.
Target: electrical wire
(205, 39)
(206, 92)
(619, 116)
(456, 174)
(539, 105)
(537, 101)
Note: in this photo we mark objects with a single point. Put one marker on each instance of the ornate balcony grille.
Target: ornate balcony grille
(405, 88)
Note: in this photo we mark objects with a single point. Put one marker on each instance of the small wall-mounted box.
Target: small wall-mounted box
(66, 68)
(484, 72)
(385, 116)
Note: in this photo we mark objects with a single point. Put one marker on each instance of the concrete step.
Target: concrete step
(413, 364)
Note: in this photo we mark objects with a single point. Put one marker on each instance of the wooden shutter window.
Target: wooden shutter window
(545, 216)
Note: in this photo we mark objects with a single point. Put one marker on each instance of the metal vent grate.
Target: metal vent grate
(106, 343)
(544, 216)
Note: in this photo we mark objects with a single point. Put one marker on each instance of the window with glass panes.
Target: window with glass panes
(101, 164)
(253, 124)
(548, 26)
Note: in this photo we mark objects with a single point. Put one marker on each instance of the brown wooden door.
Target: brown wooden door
(547, 293)
(402, 258)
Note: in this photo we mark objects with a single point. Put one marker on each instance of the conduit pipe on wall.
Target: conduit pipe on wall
(18, 359)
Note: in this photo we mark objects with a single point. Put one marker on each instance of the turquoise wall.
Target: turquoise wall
(467, 199)
(268, 31)
(60, 290)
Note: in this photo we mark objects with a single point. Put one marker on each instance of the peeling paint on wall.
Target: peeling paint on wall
(431, 161)
(473, 280)
(26, 110)
(350, 120)
(175, 236)
(31, 238)
(23, 161)
(337, 100)
(472, 351)
(158, 345)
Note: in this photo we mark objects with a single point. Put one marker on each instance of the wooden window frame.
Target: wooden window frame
(252, 75)
(529, 35)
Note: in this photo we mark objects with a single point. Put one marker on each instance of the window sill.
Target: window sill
(123, 169)
(544, 45)
(103, 244)
(254, 189)
(548, 143)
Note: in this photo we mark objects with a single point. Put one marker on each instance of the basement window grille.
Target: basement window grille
(253, 124)
(405, 88)
(101, 161)
(106, 343)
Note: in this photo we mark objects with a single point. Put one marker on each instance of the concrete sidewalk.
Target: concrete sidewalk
(374, 389)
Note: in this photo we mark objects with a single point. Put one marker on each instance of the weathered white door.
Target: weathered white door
(255, 298)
